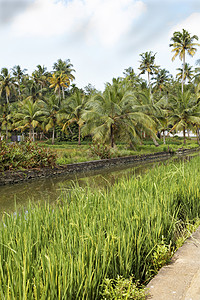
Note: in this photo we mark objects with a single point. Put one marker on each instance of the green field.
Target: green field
(68, 250)
(72, 153)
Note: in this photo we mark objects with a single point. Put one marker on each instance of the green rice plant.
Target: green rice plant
(66, 251)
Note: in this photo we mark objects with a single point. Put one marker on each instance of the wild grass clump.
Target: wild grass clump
(91, 237)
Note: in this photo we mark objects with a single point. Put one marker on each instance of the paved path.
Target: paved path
(180, 280)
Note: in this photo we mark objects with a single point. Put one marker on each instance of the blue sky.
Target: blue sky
(100, 37)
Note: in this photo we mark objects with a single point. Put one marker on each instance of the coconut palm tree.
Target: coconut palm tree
(7, 84)
(72, 110)
(28, 116)
(64, 67)
(161, 79)
(114, 114)
(182, 43)
(18, 73)
(5, 118)
(196, 77)
(50, 109)
(147, 64)
(151, 108)
(32, 91)
(184, 112)
(188, 73)
(59, 81)
(132, 78)
(40, 76)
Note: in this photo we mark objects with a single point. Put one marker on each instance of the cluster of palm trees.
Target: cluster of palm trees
(129, 109)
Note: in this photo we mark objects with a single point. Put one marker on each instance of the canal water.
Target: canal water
(49, 189)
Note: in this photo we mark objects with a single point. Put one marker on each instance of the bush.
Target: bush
(25, 156)
(122, 289)
(101, 150)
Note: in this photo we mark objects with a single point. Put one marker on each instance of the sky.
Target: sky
(101, 38)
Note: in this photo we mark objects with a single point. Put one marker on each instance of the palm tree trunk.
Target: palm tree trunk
(197, 132)
(53, 135)
(112, 136)
(7, 98)
(6, 131)
(149, 81)
(59, 96)
(155, 142)
(19, 88)
(164, 142)
(63, 92)
(33, 134)
(183, 73)
(79, 134)
(184, 135)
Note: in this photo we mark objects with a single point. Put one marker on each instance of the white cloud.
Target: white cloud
(191, 24)
(103, 20)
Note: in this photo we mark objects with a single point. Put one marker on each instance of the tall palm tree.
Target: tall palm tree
(147, 64)
(18, 74)
(72, 111)
(182, 43)
(64, 67)
(7, 84)
(147, 105)
(28, 116)
(161, 79)
(59, 81)
(197, 72)
(32, 91)
(113, 114)
(40, 76)
(50, 109)
(188, 73)
(184, 112)
(5, 118)
(132, 78)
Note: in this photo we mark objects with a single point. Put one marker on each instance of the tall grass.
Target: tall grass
(66, 251)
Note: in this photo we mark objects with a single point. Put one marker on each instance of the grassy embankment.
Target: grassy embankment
(72, 153)
(67, 251)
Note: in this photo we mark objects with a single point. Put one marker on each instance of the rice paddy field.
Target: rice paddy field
(90, 237)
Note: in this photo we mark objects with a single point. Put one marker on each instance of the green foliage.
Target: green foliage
(161, 255)
(70, 152)
(89, 237)
(102, 150)
(121, 288)
(25, 156)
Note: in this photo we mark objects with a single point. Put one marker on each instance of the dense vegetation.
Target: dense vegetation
(130, 109)
(68, 153)
(25, 156)
(74, 249)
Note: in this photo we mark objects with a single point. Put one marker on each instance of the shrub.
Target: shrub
(25, 156)
(101, 150)
(122, 289)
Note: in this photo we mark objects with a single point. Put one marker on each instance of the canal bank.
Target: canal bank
(12, 177)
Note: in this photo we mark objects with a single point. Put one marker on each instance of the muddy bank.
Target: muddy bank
(11, 177)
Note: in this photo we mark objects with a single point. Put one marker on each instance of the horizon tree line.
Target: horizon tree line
(129, 109)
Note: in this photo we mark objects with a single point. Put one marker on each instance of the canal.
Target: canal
(50, 189)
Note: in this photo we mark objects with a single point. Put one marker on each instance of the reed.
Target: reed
(66, 251)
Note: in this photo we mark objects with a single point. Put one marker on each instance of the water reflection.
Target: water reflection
(50, 189)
